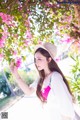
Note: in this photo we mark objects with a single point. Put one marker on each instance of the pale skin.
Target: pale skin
(41, 64)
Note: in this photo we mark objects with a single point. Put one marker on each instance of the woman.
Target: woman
(52, 88)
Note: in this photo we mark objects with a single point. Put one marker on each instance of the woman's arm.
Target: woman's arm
(25, 88)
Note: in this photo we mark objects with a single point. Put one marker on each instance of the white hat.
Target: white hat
(49, 47)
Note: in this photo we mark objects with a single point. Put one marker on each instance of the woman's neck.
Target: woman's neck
(47, 73)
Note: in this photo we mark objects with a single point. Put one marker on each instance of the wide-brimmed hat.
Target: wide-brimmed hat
(49, 47)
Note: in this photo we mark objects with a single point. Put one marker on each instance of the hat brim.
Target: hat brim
(50, 48)
(40, 46)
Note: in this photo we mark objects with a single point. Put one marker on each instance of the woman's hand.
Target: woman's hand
(14, 71)
(25, 88)
(13, 67)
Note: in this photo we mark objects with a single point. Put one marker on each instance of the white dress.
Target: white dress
(59, 104)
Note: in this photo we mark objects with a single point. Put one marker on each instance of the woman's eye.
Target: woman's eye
(39, 59)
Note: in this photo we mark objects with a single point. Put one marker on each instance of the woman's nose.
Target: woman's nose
(36, 63)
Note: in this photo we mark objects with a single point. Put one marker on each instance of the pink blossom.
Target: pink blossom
(1, 14)
(27, 42)
(2, 41)
(18, 62)
(69, 18)
(1, 45)
(1, 56)
(4, 38)
(56, 31)
(14, 52)
(27, 23)
(28, 33)
(6, 18)
(68, 40)
(28, 11)
(20, 8)
(48, 4)
(40, 42)
(4, 34)
(57, 59)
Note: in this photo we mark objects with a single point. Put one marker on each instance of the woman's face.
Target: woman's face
(40, 61)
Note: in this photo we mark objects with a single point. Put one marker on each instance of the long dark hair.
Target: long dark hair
(53, 67)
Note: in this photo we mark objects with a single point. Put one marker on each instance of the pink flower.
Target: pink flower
(2, 42)
(68, 40)
(27, 42)
(28, 33)
(40, 42)
(57, 59)
(69, 18)
(4, 38)
(1, 57)
(1, 45)
(27, 23)
(18, 62)
(1, 14)
(48, 4)
(20, 8)
(6, 18)
(28, 11)
(14, 53)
